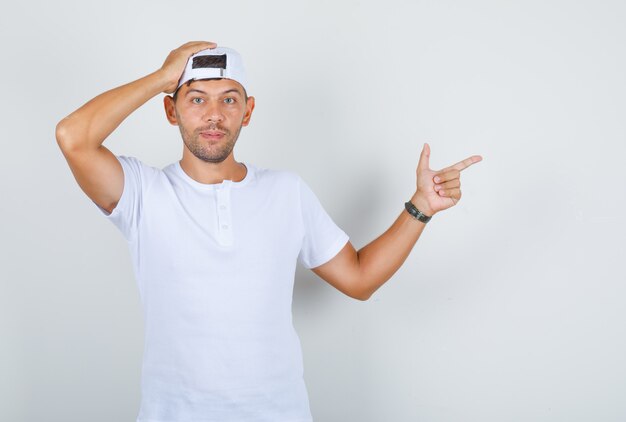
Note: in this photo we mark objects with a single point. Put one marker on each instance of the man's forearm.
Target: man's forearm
(91, 124)
(382, 257)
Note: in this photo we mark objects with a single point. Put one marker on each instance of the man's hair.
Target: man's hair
(245, 94)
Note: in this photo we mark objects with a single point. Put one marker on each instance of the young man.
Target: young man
(215, 242)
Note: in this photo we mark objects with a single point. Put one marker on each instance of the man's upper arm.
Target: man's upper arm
(98, 173)
(343, 272)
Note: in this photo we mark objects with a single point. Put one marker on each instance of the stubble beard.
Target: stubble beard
(209, 153)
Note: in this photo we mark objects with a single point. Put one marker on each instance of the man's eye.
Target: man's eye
(229, 100)
(196, 102)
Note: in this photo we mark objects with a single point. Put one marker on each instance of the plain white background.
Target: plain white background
(511, 305)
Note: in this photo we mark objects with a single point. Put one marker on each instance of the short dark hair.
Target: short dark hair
(245, 94)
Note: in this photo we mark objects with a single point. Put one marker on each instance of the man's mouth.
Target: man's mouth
(212, 134)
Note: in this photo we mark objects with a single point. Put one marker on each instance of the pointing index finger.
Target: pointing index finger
(462, 165)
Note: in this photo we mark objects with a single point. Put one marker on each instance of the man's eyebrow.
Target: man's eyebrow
(228, 91)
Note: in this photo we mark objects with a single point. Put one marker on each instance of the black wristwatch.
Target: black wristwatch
(417, 214)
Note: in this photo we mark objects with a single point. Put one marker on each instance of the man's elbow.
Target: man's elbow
(363, 298)
(361, 295)
(65, 136)
(360, 290)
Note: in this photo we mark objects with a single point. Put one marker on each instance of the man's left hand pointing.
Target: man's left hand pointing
(439, 190)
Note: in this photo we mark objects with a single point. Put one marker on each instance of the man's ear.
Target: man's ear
(249, 108)
(170, 110)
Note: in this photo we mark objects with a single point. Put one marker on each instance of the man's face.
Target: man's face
(210, 114)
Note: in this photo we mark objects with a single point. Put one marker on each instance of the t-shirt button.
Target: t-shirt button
(222, 207)
(224, 226)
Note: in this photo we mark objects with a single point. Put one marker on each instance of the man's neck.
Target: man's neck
(214, 173)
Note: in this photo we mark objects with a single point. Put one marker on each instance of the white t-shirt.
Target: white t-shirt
(215, 266)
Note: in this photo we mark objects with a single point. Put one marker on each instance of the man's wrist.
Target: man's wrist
(422, 205)
(163, 81)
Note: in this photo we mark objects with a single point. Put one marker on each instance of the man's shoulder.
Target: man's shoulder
(137, 167)
(137, 162)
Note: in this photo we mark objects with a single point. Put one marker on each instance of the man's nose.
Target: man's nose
(213, 112)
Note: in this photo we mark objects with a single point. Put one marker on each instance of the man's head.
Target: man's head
(211, 104)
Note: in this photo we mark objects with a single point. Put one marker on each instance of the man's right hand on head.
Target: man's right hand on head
(80, 135)
(176, 61)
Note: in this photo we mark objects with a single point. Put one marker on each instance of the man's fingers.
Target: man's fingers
(197, 46)
(455, 183)
(446, 175)
(450, 193)
(174, 64)
(462, 165)
(193, 47)
(195, 43)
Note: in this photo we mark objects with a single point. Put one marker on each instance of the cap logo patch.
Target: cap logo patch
(215, 62)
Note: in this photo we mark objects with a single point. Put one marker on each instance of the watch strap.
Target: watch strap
(415, 213)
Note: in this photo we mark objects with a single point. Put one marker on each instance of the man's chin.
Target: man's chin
(212, 158)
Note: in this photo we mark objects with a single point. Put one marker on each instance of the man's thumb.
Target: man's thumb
(424, 163)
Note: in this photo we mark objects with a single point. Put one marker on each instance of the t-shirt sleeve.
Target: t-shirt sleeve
(126, 214)
(323, 239)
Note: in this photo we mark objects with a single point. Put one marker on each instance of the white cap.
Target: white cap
(219, 62)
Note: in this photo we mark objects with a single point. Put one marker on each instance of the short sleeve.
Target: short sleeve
(323, 239)
(126, 214)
